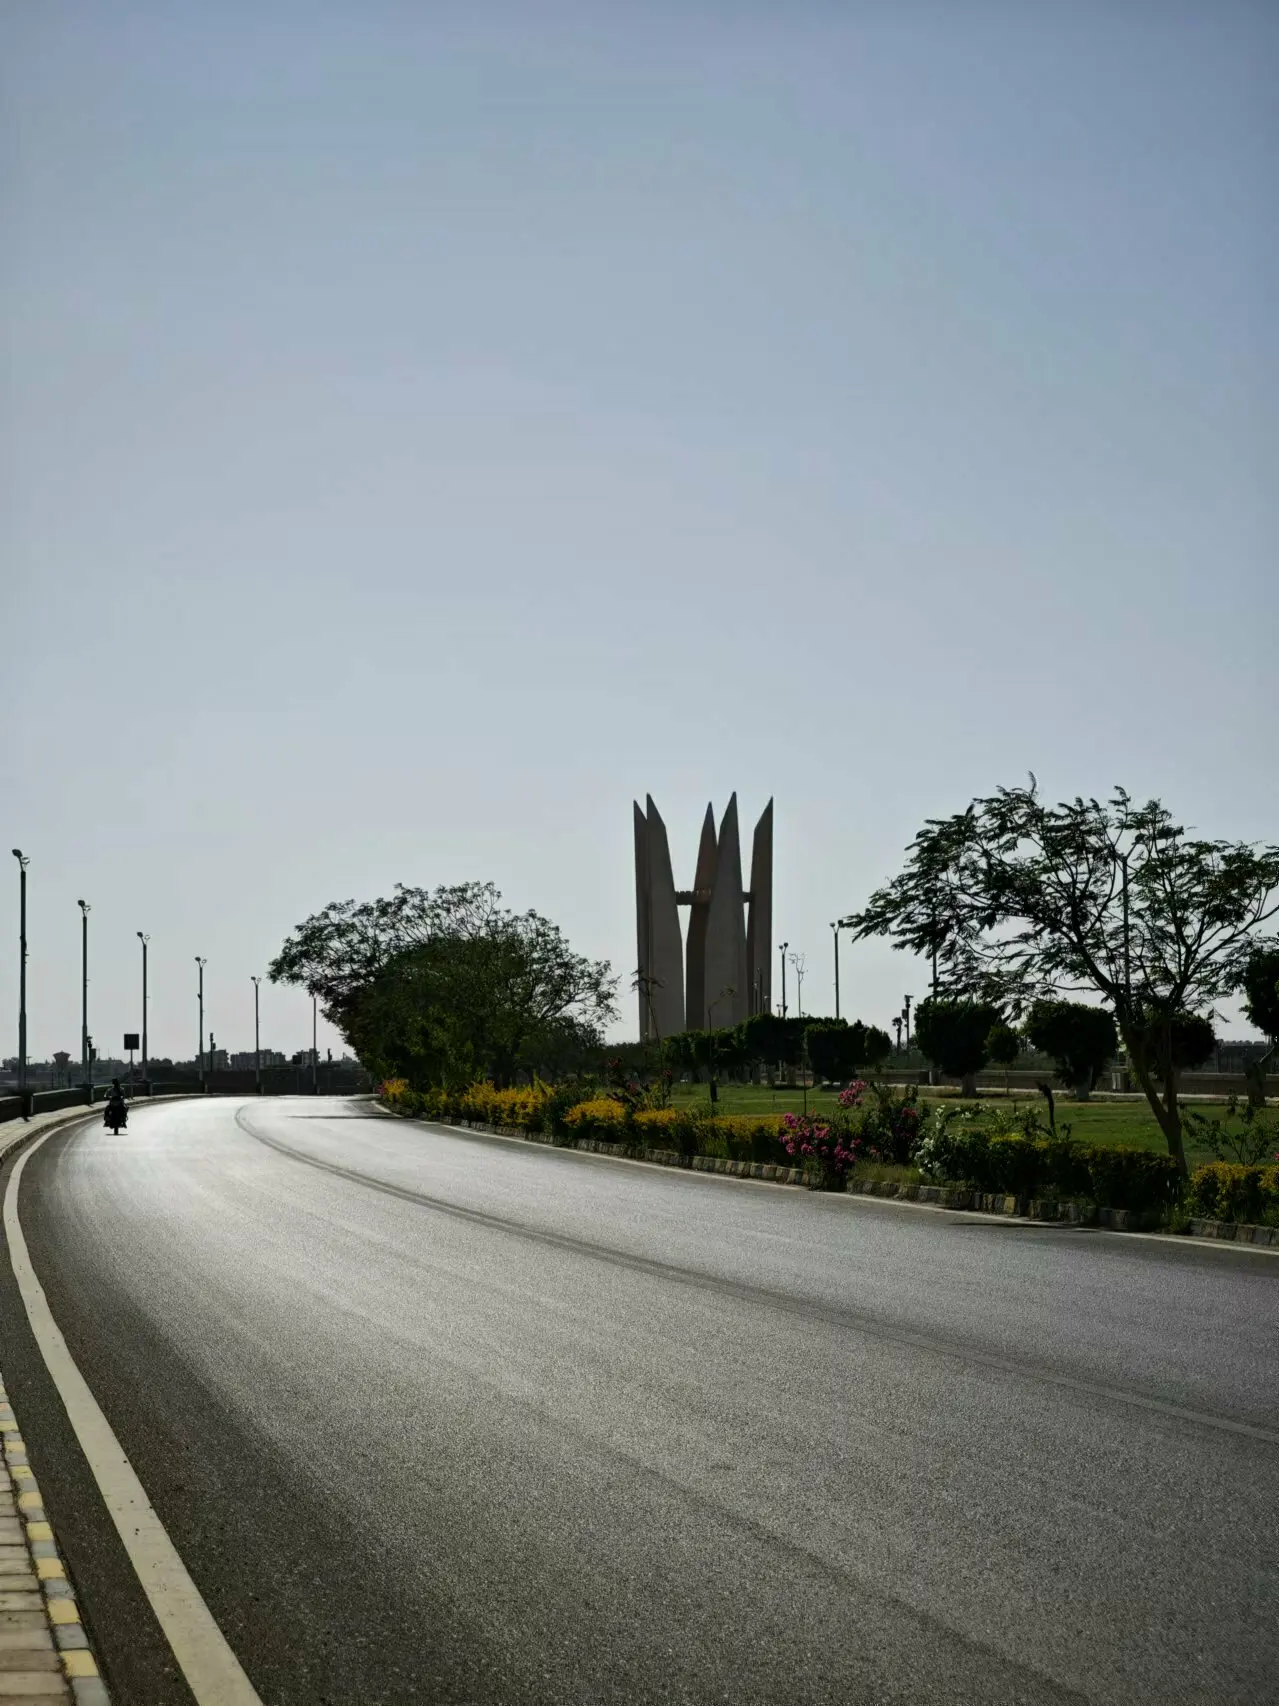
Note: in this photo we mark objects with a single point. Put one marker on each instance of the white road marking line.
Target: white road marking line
(212, 1671)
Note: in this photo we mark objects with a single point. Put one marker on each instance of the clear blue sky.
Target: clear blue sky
(425, 428)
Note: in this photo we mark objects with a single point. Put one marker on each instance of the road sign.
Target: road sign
(131, 1040)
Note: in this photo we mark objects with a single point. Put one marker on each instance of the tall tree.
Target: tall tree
(1021, 899)
(449, 985)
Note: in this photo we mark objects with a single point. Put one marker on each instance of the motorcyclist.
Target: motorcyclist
(117, 1110)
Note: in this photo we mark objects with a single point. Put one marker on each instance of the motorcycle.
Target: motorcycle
(116, 1115)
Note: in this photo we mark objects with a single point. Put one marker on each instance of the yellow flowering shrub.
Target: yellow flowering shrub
(749, 1125)
(395, 1092)
(601, 1117)
(540, 1108)
(521, 1106)
(656, 1126)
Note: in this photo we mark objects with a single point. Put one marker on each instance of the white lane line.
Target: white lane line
(212, 1671)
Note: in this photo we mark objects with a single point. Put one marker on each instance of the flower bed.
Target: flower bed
(570, 1114)
(961, 1163)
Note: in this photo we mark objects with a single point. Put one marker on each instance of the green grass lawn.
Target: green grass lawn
(1094, 1121)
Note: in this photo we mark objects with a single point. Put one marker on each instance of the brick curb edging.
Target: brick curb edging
(46, 1652)
(1071, 1213)
(767, 1170)
(1012, 1207)
(956, 1197)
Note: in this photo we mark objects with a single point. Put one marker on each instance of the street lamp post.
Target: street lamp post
(835, 933)
(782, 951)
(728, 990)
(199, 1035)
(86, 1063)
(257, 1039)
(315, 1051)
(23, 862)
(800, 963)
(146, 1069)
(906, 1016)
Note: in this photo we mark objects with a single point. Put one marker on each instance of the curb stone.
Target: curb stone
(45, 1653)
(1068, 1212)
(956, 1197)
(773, 1173)
(1237, 1232)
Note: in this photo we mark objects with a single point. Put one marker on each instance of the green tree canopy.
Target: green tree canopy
(1078, 1038)
(1003, 1045)
(448, 986)
(767, 1038)
(1191, 1039)
(953, 1033)
(1020, 900)
(838, 1051)
(1261, 989)
(1261, 1004)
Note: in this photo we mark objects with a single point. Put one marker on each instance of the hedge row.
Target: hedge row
(1224, 1191)
(1046, 1168)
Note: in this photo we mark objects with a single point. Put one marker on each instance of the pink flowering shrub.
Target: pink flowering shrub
(884, 1121)
(823, 1149)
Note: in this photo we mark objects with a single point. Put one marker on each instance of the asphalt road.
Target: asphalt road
(442, 1417)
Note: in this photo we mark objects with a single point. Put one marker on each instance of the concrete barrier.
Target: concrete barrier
(49, 1101)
